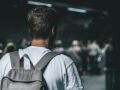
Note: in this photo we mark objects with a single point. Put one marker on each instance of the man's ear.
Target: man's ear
(53, 31)
(52, 37)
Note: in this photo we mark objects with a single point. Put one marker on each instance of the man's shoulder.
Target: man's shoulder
(5, 56)
(62, 58)
(5, 59)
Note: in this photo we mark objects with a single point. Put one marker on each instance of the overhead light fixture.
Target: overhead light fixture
(39, 3)
(77, 10)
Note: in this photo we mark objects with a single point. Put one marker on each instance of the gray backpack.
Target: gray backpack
(20, 79)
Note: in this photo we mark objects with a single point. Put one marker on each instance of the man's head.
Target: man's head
(42, 23)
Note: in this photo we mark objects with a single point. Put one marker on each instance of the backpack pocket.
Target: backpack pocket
(23, 80)
(25, 86)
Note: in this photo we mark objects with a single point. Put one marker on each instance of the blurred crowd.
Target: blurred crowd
(89, 57)
(11, 46)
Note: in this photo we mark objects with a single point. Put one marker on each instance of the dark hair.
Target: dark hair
(41, 20)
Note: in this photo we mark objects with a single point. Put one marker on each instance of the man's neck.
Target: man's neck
(40, 43)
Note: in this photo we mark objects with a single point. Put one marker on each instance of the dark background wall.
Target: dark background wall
(13, 20)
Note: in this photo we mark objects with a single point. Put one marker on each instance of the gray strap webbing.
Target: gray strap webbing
(45, 60)
(14, 57)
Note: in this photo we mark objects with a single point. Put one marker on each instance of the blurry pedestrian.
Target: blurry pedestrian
(109, 54)
(74, 51)
(10, 47)
(84, 57)
(93, 52)
(23, 43)
(58, 47)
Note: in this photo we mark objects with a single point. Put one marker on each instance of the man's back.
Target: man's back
(60, 74)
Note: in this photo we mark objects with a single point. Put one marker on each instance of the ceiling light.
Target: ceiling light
(39, 3)
(77, 10)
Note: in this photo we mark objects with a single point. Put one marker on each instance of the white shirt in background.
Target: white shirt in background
(93, 49)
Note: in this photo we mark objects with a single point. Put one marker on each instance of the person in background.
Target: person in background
(10, 47)
(23, 43)
(84, 57)
(93, 52)
(74, 52)
(58, 47)
(106, 56)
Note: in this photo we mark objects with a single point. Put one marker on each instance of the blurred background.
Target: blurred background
(88, 31)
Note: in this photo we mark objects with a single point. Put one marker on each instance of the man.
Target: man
(58, 47)
(61, 73)
(74, 51)
(93, 51)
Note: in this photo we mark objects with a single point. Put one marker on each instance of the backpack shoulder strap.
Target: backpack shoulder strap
(41, 65)
(14, 57)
